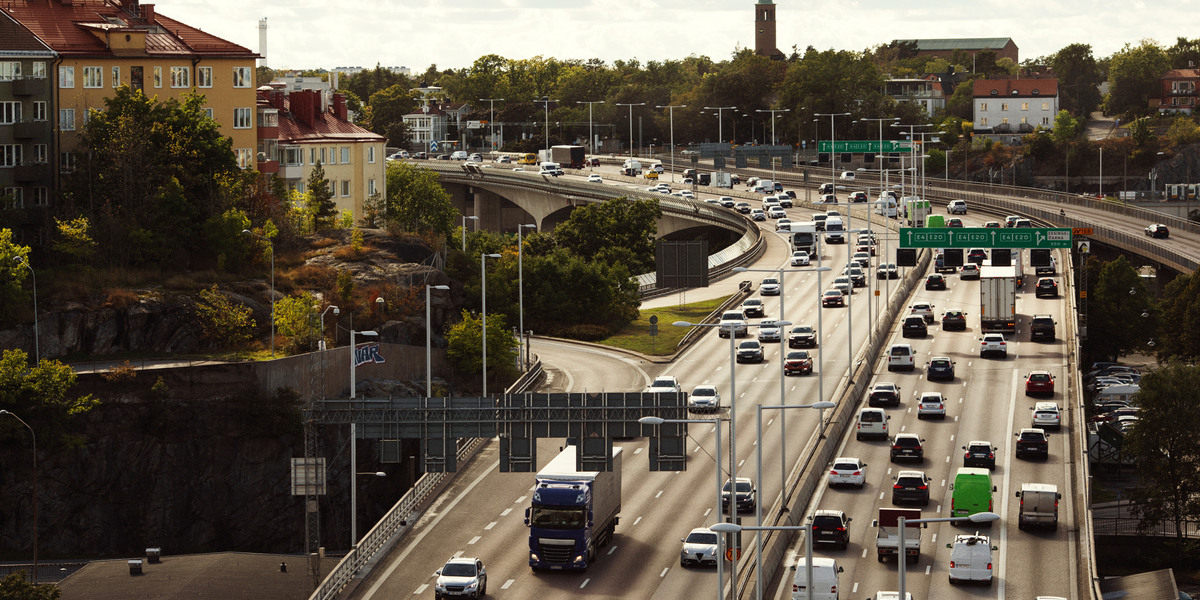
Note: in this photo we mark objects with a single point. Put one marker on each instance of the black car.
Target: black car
(1046, 288)
(1157, 230)
(753, 307)
(907, 446)
(935, 282)
(883, 393)
(750, 351)
(914, 326)
(802, 336)
(1042, 328)
(979, 454)
(911, 487)
(954, 319)
(1032, 441)
(830, 527)
(977, 256)
(939, 367)
(746, 495)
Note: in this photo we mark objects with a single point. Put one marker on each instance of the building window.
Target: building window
(1024, 120)
(312, 156)
(66, 77)
(66, 119)
(157, 77)
(371, 154)
(1046, 121)
(116, 77)
(66, 162)
(1024, 106)
(983, 121)
(181, 77)
(39, 70)
(345, 189)
(983, 106)
(93, 77)
(10, 70)
(242, 118)
(1004, 121)
(371, 187)
(1003, 106)
(345, 156)
(39, 110)
(208, 112)
(39, 153)
(245, 157)
(293, 157)
(10, 155)
(241, 77)
(300, 187)
(204, 77)
(323, 156)
(13, 197)
(10, 112)
(41, 196)
(1045, 106)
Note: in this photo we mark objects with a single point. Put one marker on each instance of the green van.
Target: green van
(972, 492)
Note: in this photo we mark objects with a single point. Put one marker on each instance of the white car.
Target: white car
(769, 331)
(848, 470)
(971, 559)
(1046, 415)
(704, 398)
(657, 168)
(957, 207)
(688, 194)
(464, 577)
(826, 199)
(783, 225)
(733, 322)
(699, 548)
(775, 212)
(931, 404)
(901, 356)
(993, 343)
(504, 160)
(847, 176)
(594, 178)
(924, 310)
(663, 384)
(800, 258)
(769, 287)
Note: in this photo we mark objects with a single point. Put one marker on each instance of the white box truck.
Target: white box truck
(998, 298)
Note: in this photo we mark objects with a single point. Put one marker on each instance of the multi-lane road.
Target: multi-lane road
(481, 513)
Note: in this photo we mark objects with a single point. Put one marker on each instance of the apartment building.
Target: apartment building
(26, 140)
(1006, 109)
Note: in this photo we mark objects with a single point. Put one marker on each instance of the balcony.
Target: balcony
(29, 87)
(267, 167)
(30, 172)
(28, 130)
(291, 171)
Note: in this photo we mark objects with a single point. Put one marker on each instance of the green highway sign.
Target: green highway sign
(860, 146)
(984, 237)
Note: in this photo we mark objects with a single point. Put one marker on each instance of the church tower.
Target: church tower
(764, 30)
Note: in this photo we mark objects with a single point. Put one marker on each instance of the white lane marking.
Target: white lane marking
(508, 584)
(584, 584)
(947, 459)
(520, 500)
(934, 539)
(421, 589)
(864, 554)
(473, 540)
(742, 463)
(489, 526)
(637, 451)
(636, 521)
(664, 573)
(707, 511)
(927, 569)
(854, 590)
(504, 513)
(881, 498)
(658, 495)
(951, 438)
(1008, 457)
(939, 507)
(612, 549)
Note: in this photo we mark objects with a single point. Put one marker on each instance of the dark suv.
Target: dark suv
(802, 336)
(1046, 288)
(907, 445)
(980, 454)
(830, 527)
(914, 326)
(1032, 441)
(884, 393)
(911, 487)
(1042, 328)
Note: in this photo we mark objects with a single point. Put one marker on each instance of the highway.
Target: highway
(481, 513)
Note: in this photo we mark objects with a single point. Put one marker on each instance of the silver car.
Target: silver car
(461, 578)
(931, 405)
(699, 548)
(768, 331)
(704, 398)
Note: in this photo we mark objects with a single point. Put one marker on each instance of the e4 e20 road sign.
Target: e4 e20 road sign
(984, 237)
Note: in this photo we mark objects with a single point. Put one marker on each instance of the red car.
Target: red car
(1039, 382)
(797, 362)
(833, 298)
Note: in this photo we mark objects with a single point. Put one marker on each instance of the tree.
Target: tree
(1167, 452)
(74, 241)
(294, 317)
(1066, 128)
(1185, 54)
(320, 199)
(1116, 304)
(1183, 131)
(1180, 306)
(416, 201)
(12, 275)
(464, 346)
(1078, 79)
(222, 321)
(16, 587)
(387, 110)
(616, 231)
(1133, 77)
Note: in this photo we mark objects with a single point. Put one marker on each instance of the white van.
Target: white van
(901, 356)
(847, 176)
(550, 168)
(1039, 505)
(871, 423)
(835, 231)
(971, 558)
(458, 155)
(825, 579)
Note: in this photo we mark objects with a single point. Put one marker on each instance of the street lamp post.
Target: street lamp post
(354, 436)
(521, 294)
(545, 100)
(429, 339)
(821, 406)
(631, 105)
(774, 112)
(671, 112)
(591, 136)
(901, 523)
(720, 121)
(267, 240)
(832, 145)
(464, 229)
(492, 119)
(808, 545)
(483, 300)
(34, 576)
(716, 422)
(37, 350)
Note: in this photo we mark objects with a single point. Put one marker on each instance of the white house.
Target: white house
(1006, 109)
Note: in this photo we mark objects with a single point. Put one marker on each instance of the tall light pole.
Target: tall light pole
(37, 350)
(429, 339)
(336, 311)
(267, 240)
(492, 118)
(483, 300)
(545, 100)
(880, 154)
(716, 422)
(821, 406)
(774, 112)
(464, 229)
(901, 523)
(591, 136)
(808, 545)
(631, 105)
(354, 437)
(521, 293)
(912, 134)
(671, 117)
(34, 577)
(832, 146)
(720, 121)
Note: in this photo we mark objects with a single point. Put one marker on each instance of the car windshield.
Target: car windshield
(557, 518)
(742, 486)
(701, 537)
(704, 392)
(940, 364)
(799, 355)
(980, 449)
(662, 382)
(459, 570)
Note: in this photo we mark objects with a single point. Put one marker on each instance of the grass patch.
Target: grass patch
(636, 335)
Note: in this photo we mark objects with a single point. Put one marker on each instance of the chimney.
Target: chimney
(148, 13)
(339, 106)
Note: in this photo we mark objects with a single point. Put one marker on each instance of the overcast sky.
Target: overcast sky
(305, 34)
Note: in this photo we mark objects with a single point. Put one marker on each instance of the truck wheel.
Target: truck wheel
(880, 557)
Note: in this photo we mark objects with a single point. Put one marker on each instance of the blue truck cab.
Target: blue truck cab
(573, 513)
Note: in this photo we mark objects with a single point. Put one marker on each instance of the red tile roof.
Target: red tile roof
(18, 38)
(326, 126)
(1182, 74)
(72, 29)
(1015, 87)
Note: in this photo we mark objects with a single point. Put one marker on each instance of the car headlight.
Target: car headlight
(472, 585)
(439, 586)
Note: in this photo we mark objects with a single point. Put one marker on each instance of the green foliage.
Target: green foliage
(223, 322)
(1116, 303)
(356, 240)
(294, 318)
(936, 163)
(1133, 77)
(1166, 449)
(1078, 78)
(1066, 128)
(44, 388)
(1185, 54)
(74, 241)
(464, 348)
(619, 231)
(387, 110)
(12, 275)
(1183, 131)
(374, 211)
(346, 219)
(563, 291)
(320, 199)
(227, 240)
(1180, 306)
(15, 586)
(831, 81)
(1140, 132)
(416, 201)
(961, 103)
(345, 286)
